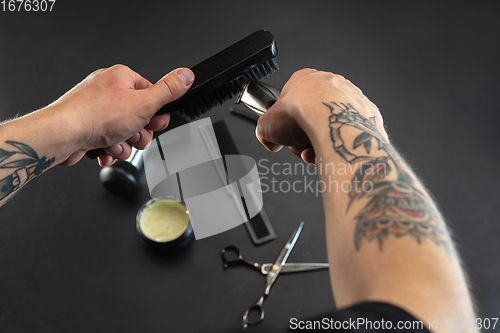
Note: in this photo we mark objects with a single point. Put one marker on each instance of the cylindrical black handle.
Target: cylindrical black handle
(232, 259)
(235, 257)
(255, 307)
(122, 178)
(95, 153)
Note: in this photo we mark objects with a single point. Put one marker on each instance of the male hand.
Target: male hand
(294, 119)
(114, 109)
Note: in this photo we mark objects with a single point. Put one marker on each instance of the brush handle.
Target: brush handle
(95, 153)
(122, 178)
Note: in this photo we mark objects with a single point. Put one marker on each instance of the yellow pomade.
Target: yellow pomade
(164, 221)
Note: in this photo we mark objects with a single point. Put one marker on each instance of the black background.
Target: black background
(69, 254)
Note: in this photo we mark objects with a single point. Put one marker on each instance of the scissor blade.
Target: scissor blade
(294, 267)
(282, 257)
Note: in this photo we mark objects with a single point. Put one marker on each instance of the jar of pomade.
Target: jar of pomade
(163, 224)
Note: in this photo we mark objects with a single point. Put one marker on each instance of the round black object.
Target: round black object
(120, 178)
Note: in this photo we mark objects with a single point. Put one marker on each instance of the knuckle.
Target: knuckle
(303, 71)
(97, 71)
(338, 77)
(120, 68)
(141, 145)
(171, 87)
(307, 70)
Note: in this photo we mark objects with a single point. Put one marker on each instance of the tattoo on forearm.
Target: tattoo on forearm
(395, 207)
(25, 163)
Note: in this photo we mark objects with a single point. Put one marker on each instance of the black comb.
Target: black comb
(259, 227)
(223, 75)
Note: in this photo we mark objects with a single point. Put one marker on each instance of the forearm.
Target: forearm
(113, 108)
(31, 144)
(386, 239)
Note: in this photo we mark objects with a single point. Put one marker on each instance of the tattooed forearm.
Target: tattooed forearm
(394, 205)
(22, 164)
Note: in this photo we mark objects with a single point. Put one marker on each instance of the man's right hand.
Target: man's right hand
(293, 119)
(386, 240)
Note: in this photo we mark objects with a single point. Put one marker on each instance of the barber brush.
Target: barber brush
(223, 75)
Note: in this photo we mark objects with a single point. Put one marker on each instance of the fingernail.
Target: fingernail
(135, 138)
(274, 148)
(186, 76)
(302, 155)
(147, 146)
(115, 150)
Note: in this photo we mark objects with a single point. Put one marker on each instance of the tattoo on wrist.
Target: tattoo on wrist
(395, 206)
(25, 163)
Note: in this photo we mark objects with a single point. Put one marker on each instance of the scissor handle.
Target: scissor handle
(258, 307)
(239, 257)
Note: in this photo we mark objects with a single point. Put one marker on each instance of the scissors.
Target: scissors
(271, 270)
(232, 256)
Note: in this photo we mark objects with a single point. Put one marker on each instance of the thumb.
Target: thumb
(277, 127)
(171, 87)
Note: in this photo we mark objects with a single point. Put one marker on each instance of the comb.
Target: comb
(259, 227)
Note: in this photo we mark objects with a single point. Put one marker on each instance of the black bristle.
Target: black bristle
(262, 71)
(198, 107)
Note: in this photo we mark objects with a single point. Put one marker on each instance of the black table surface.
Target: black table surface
(70, 257)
